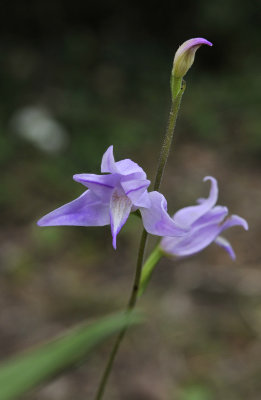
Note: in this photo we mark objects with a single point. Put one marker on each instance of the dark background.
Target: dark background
(76, 77)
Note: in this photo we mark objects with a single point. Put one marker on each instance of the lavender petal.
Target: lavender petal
(86, 210)
(135, 189)
(234, 220)
(156, 220)
(188, 215)
(215, 215)
(222, 242)
(129, 167)
(108, 163)
(193, 242)
(101, 185)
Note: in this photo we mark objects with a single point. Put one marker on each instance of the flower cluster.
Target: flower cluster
(123, 188)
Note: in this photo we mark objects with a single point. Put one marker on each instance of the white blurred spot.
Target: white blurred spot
(36, 125)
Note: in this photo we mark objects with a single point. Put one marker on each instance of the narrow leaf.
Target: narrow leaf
(27, 370)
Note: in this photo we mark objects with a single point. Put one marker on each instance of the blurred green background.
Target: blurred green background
(77, 77)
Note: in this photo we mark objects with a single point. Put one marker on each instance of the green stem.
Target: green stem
(108, 367)
(176, 100)
(175, 85)
(136, 284)
(168, 136)
(131, 305)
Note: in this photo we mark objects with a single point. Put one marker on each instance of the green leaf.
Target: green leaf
(148, 268)
(27, 370)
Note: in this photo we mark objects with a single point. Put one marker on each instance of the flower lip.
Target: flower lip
(120, 208)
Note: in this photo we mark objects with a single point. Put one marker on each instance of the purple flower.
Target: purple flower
(112, 197)
(205, 222)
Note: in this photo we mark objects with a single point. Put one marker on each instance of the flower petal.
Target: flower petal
(108, 162)
(156, 220)
(123, 167)
(188, 215)
(86, 210)
(222, 242)
(234, 220)
(216, 214)
(200, 237)
(134, 189)
(128, 167)
(144, 202)
(120, 207)
(101, 185)
(193, 242)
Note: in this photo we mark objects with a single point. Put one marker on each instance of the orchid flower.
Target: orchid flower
(110, 199)
(205, 222)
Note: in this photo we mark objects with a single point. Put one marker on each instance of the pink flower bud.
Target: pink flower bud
(185, 55)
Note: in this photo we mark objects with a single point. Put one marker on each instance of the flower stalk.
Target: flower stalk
(165, 149)
(131, 305)
(137, 289)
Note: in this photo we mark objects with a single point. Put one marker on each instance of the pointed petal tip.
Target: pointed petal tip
(42, 221)
(231, 253)
(233, 256)
(213, 194)
(114, 242)
(199, 41)
(222, 242)
(108, 162)
(209, 178)
(240, 221)
(76, 177)
(110, 149)
(213, 183)
(194, 42)
(245, 225)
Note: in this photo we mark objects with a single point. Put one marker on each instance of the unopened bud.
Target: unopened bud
(185, 55)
